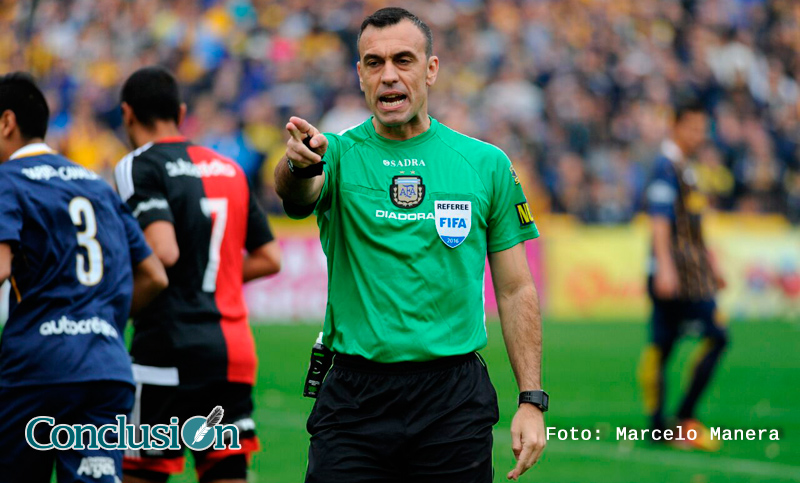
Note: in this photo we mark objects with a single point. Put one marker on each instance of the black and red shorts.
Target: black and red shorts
(159, 397)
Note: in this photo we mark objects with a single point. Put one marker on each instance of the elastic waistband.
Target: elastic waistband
(360, 364)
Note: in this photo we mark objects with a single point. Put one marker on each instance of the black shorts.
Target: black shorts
(159, 397)
(97, 403)
(410, 421)
(672, 317)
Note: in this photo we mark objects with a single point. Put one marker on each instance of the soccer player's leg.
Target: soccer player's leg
(453, 432)
(715, 339)
(664, 331)
(101, 402)
(19, 462)
(227, 464)
(157, 400)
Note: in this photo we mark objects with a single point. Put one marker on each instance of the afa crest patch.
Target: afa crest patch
(514, 174)
(407, 191)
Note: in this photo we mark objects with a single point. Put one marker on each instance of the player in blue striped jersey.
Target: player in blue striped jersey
(78, 264)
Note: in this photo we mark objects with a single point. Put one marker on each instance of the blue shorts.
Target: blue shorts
(97, 402)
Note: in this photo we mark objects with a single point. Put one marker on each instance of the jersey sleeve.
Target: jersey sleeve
(141, 184)
(10, 216)
(662, 191)
(510, 220)
(258, 232)
(137, 244)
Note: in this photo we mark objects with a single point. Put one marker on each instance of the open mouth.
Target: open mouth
(389, 101)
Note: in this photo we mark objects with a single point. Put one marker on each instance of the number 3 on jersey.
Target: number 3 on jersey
(218, 207)
(82, 213)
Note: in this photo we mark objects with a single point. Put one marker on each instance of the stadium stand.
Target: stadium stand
(578, 92)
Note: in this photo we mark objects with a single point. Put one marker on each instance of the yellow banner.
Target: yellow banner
(597, 272)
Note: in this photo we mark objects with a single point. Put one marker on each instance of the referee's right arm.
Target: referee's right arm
(301, 192)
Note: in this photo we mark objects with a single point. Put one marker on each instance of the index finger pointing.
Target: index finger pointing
(295, 133)
(304, 126)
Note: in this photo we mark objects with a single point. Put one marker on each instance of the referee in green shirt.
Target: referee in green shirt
(408, 210)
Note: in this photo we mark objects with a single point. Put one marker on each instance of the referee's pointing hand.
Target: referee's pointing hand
(302, 154)
(527, 438)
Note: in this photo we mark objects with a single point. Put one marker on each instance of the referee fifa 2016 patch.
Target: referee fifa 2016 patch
(524, 213)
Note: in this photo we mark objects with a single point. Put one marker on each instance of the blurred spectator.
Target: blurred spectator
(577, 92)
(714, 178)
(759, 173)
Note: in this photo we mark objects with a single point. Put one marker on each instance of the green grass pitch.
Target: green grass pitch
(590, 372)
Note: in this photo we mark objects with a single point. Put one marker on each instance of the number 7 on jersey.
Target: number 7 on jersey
(218, 207)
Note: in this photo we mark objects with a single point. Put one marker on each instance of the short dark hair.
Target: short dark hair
(388, 16)
(20, 95)
(688, 106)
(152, 92)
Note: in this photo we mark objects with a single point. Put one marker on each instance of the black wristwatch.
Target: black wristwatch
(540, 399)
(307, 172)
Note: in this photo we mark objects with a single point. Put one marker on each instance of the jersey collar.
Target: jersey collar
(170, 139)
(34, 149)
(419, 138)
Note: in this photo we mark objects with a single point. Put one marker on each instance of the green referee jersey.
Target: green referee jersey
(406, 226)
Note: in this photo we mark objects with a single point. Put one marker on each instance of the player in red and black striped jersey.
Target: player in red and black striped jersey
(192, 347)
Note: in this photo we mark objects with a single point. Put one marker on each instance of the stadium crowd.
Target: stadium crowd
(579, 93)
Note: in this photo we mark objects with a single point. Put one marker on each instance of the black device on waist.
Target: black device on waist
(321, 360)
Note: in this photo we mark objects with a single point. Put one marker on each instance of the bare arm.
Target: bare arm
(518, 304)
(160, 235)
(5, 262)
(149, 279)
(264, 260)
(666, 278)
(719, 277)
(299, 191)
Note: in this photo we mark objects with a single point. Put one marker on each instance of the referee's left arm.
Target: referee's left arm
(518, 304)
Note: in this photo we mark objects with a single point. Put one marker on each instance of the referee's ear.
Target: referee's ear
(181, 113)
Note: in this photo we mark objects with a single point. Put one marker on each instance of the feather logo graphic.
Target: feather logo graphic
(213, 419)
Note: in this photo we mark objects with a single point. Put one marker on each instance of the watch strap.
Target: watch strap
(540, 399)
(307, 172)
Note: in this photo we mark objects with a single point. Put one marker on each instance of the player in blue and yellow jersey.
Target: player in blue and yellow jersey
(683, 279)
(78, 265)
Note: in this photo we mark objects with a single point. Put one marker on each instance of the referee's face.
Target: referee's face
(395, 72)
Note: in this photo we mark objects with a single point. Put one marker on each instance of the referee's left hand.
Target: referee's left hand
(527, 438)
